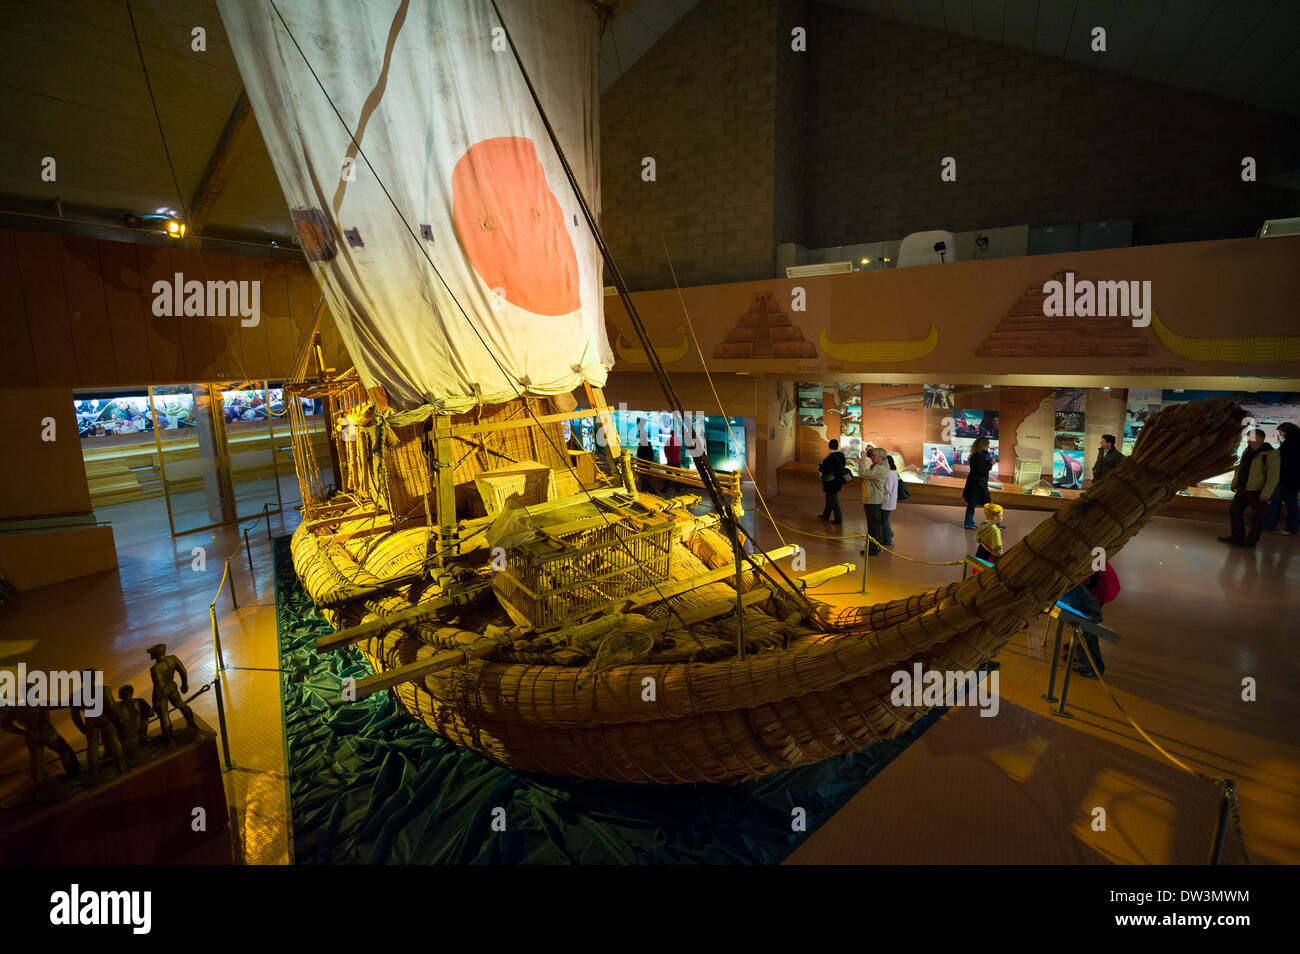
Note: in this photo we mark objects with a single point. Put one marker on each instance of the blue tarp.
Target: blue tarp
(368, 784)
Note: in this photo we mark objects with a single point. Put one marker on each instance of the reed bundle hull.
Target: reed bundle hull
(678, 703)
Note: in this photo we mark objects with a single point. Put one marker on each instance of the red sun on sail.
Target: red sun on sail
(511, 226)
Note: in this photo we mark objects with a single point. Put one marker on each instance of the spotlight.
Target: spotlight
(866, 261)
(169, 225)
(940, 248)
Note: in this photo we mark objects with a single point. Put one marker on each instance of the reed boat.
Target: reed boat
(528, 601)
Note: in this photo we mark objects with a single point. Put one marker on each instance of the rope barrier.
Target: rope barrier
(866, 536)
(1226, 784)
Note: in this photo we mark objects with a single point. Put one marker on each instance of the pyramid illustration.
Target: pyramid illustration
(765, 331)
(1027, 333)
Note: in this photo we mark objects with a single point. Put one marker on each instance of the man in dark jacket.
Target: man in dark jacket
(1107, 457)
(1253, 484)
(1288, 482)
(832, 470)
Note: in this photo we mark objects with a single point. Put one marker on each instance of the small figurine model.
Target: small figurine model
(102, 728)
(134, 715)
(163, 672)
(33, 722)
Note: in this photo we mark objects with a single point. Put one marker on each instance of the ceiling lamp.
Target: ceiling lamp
(169, 225)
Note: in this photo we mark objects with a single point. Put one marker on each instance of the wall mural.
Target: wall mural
(1028, 332)
(942, 320)
(880, 352)
(765, 331)
(1273, 348)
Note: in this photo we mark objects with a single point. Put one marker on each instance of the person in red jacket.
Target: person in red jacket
(1087, 599)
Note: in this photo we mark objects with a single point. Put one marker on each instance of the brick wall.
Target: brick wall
(1037, 140)
(758, 145)
(701, 101)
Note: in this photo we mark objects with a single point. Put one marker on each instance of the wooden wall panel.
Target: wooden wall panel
(164, 334)
(41, 477)
(17, 362)
(92, 333)
(128, 313)
(275, 350)
(249, 344)
(195, 331)
(304, 295)
(47, 308)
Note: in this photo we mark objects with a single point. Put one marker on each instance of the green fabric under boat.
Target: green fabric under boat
(367, 784)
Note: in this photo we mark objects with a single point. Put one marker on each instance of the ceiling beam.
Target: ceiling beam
(239, 127)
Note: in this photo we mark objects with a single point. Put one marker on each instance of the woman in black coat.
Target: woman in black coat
(976, 491)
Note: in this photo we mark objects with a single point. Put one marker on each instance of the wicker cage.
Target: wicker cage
(564, 576)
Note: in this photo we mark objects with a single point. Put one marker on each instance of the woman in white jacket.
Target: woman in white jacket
(891, 500)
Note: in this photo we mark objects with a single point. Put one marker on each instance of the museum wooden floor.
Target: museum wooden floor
(1196, 618)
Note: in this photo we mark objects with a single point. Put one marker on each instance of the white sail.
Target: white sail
(446, 132)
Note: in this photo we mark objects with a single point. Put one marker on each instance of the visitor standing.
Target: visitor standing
(1107, 457)
(644, 450)
(976, 491)
(873, 499)
(832, 470)
(1087, 599)
(672, 453)
(1253, 484)
(890, 503)
(1288, 482)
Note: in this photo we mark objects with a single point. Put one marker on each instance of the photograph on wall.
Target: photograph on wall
(975, 424)
(1070, 422)
(938, 395)
(962, 450)
(937, 459)
(850, 394)
(850, 413)
(125, 415)
(1071, 399)
(1068, 441)
(810, 394)
(1067, 469)
(1140, 405)
(851, 447)
(811, 416)
(851, 429)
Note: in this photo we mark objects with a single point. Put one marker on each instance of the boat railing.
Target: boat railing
(687, 476)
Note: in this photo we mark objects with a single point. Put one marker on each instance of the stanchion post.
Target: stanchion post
(1221, 829)
(1050, 695)
(866, 545)
(221, 723)
(1065, 683)
(216, 638)
(234, 600)
(266, 512)
(248, 550)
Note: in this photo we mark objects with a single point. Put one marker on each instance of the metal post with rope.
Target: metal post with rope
(1229, 809)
